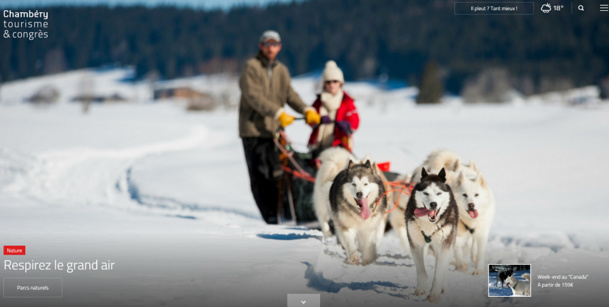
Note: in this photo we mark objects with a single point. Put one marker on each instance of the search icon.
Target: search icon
(580, 7)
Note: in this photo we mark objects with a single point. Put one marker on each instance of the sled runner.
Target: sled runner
(295, 205)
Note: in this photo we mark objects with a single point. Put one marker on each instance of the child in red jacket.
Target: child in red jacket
(339, 118)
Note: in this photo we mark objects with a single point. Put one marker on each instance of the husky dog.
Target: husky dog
(519, 287)
(431, 219)
(503, 275)
(358, 210)
(436, 160)
(476, 205)
(333, 160)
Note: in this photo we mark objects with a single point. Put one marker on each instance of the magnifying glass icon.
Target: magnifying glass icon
(580, 7)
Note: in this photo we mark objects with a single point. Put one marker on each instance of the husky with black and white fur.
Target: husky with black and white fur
(435, 161)
(359, 210)
(333, 160)
(431, 220)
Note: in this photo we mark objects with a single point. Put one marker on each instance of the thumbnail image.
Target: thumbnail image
(506, 280)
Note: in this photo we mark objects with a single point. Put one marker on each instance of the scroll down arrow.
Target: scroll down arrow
(303, 302)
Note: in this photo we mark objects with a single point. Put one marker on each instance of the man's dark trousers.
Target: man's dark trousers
(265, 172)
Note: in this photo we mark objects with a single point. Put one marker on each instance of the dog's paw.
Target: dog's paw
(353, 259)
(419, 291)
(367, 261)
(433, 298)
(476, 272)
(462, 267)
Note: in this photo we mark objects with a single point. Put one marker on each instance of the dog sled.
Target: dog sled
(296, 186)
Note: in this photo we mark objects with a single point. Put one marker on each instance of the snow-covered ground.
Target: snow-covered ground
(164, 194)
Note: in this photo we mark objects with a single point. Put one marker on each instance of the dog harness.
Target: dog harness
(427, 239)
(471, 230)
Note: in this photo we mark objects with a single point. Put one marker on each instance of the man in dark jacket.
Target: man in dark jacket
(265, 88)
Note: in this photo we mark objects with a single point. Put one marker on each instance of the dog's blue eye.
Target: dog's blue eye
(464, 195)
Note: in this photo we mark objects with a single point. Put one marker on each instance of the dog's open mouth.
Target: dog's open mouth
(431, 214)
(364, 210)
(473, 213)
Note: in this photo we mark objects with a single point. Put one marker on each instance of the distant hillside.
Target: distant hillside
(366, 37)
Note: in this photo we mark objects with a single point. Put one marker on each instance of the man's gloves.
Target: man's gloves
(343, 125)
(312, 117)
(325, 119)
(285, 119)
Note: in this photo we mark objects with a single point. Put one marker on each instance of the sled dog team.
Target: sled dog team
(450, 211)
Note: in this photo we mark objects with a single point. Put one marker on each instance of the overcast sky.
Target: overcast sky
(207, 4)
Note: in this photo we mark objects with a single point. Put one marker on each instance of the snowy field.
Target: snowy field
(164, 194)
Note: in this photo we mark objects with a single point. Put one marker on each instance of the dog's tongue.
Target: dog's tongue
(365, 213)
(473, 213)
(419, 212)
